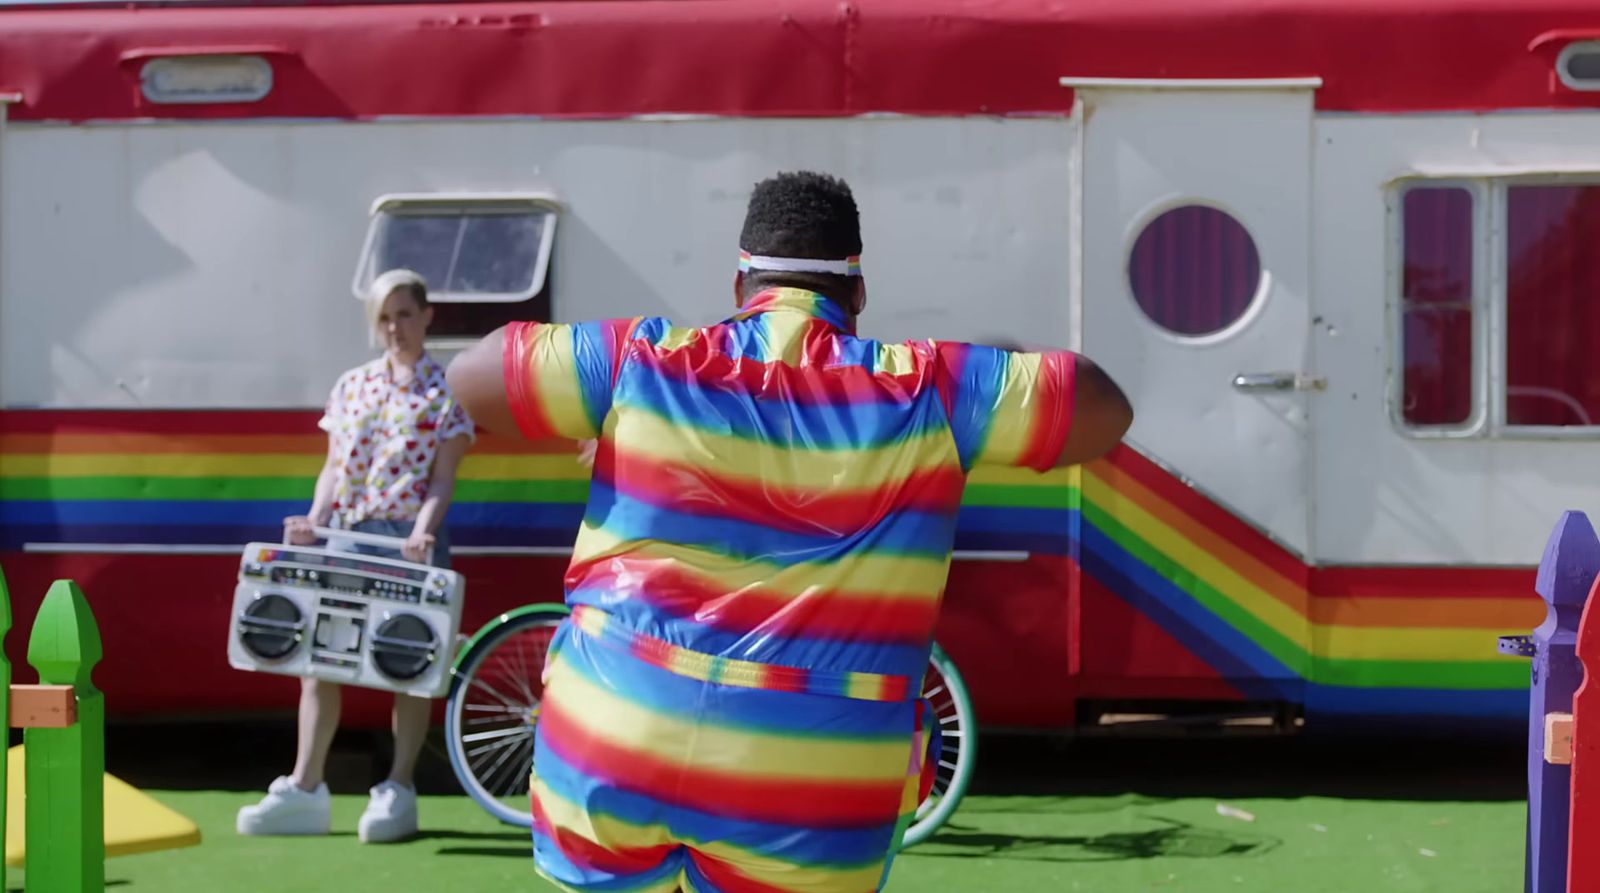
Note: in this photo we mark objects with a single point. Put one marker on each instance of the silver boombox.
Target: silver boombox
(344, 617)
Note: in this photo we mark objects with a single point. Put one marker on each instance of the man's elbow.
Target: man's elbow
(1098, 434)
(1101, 418)
(1119, 415)
(458, 374)
(474, 375)
(459, 380)
(461, 387)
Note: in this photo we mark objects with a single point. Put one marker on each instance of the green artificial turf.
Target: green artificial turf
(1023, 843)
(1092, 816)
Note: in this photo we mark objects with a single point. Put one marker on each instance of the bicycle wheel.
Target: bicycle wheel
(494, 708)
(958, 753)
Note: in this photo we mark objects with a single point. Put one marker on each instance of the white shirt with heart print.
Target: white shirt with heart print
(388, 436)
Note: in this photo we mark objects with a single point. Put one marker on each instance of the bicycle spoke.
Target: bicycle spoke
(494, 770)
(479, 683)
(493, 744)
(525, 670)
(514, 672)
(516, 763)
(490, 709)
(496, 746)
(498, 733)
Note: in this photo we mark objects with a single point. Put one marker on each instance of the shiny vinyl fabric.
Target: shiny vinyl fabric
(766, 542)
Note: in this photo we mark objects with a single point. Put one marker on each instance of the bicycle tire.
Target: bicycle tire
(493, 711)
(958, 753)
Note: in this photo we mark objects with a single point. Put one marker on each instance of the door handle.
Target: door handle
(1256, 382)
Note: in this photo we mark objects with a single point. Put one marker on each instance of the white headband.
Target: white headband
(850, 266)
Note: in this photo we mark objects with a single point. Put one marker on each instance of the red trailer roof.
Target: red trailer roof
(791, 57)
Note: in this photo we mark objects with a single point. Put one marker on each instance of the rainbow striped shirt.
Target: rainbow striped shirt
(773, 490)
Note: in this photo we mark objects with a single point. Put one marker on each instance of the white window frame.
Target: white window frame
(253, 73)
(1477, 420)
(463, 203)
(1259, 295)
(1587, 85)
(1489, 312)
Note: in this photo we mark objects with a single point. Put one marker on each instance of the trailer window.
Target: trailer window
(486, 260)
(1436, 331)
(1552, 305)
(1194, 270)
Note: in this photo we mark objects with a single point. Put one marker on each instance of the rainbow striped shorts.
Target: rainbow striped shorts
(658, 768)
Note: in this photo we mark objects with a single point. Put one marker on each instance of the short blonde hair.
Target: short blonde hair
(382, 287)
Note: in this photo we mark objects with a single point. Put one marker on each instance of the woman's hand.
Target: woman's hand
(297, 530)
(418, 546)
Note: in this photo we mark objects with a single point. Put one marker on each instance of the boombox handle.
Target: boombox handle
(354, 536)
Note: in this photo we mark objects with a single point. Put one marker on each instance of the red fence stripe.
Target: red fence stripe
(1583, 840)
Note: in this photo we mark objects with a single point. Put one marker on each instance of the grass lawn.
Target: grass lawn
(1044, 816)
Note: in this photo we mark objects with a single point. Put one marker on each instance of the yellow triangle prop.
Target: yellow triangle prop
(135, 822)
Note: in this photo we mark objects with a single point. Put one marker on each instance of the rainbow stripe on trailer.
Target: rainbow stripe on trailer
(224, 478)
(1349, 641)
(1359, 641)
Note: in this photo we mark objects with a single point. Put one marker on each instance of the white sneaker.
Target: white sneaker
(287, 809)
(391, 815)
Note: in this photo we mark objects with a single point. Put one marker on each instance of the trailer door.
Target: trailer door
(1195, 241)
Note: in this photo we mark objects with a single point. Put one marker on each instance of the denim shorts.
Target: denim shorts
(402, 529)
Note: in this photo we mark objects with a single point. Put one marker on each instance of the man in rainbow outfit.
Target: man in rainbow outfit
(733, 705)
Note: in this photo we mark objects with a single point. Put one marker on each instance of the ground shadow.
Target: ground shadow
(508, 836)
(1177, 839)
(245, 755)
(1380, 767)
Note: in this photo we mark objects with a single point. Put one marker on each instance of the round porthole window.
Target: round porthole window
(1194, 270)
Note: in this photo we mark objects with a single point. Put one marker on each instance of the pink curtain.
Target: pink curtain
(1436, 306)
(1194, 270)
(1552, 286)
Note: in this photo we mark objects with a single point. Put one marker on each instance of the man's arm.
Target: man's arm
(542, 380)
(477, 379)
(1096, 412)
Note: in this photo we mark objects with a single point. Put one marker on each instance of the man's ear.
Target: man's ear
(738, 289)
(858, 301)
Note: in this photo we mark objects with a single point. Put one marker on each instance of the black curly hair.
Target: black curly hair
(802, 214)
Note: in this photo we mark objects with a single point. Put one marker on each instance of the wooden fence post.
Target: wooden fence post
(1568, 571)
(66, 766)
(1583, 838)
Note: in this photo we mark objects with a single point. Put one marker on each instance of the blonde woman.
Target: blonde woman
(395, 438)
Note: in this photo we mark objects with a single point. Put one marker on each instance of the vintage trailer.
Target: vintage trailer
(1342, 255)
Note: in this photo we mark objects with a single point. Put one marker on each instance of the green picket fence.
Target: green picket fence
(65, 793)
